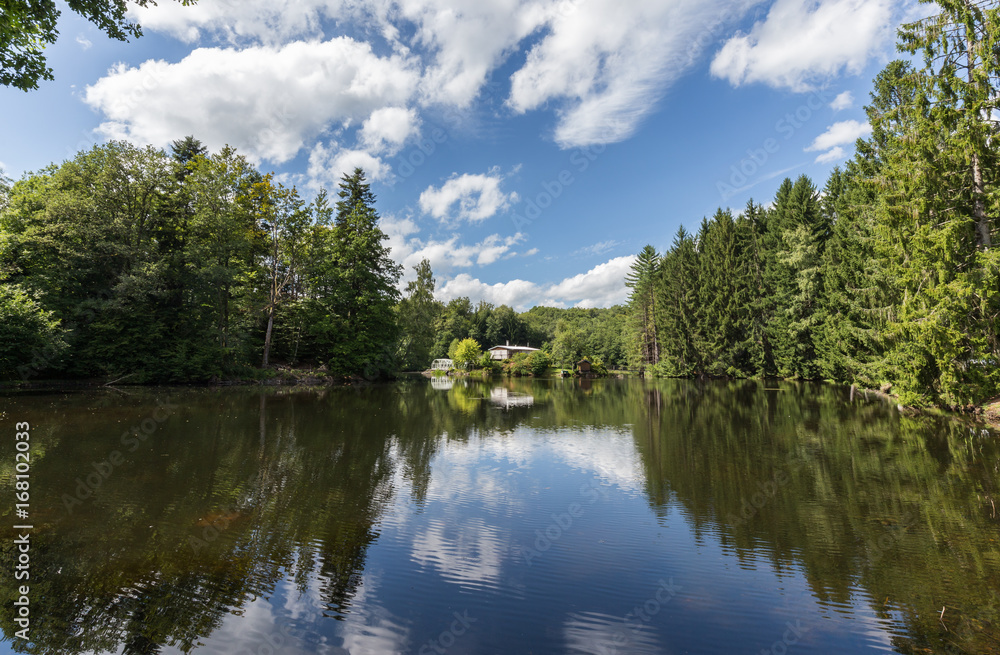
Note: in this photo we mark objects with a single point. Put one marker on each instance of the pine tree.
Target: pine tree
(755, 294)
(418, 312)
(366, 278)
(798, 235)
(719, 296)
(937, 197)
(679, 307)
(643, 280)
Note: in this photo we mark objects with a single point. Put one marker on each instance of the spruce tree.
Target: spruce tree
(643, 279)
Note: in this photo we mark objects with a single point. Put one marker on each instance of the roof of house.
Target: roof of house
(517, 348)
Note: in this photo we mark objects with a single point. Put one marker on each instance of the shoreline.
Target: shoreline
(987, 412)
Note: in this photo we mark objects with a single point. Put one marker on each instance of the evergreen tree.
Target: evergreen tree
(643, 279)
(418, 312)
(719, 296)
(798, 234)
(937, 179)
(755, 294)
(354, 192)
(679, 306)
(366, 291)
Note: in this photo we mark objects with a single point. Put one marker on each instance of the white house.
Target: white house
(501, 353)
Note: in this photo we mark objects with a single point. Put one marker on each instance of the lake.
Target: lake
(509, 516)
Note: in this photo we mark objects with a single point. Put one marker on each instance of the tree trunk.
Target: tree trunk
(983, 240)
(267, 335)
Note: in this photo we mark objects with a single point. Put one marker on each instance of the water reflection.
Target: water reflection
(362, 520)
(504, 397)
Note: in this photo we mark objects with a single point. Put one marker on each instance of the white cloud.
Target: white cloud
(444, 255)
(602, 65)
(268, 101)
(843, 100)
(601, 286)
(834, 154)
(844, 132)
(530, 253)
(388, 128)
(84, 42)
(269, 21)
(519, 294)
(466, 39)
(803, 41)
(478, 197)
(327, 164)
(837, 135)
(609, 62)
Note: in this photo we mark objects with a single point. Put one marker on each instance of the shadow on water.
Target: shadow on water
(147, 543)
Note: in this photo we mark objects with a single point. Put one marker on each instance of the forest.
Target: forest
(139, 265)
(132, 265)
(136, 265)
(887, 277)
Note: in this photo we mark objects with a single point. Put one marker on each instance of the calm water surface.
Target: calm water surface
(547, 516)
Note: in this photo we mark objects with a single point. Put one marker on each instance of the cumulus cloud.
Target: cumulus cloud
(328, 163)
(477, 198)
(834, 154)
(837, 135)
(602, 65)
(447, 254)
(268, 21)
(268, 101)
(388, 128)
(601, 286)
(843, 100)
(803, 41)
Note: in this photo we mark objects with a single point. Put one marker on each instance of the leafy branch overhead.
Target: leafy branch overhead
(27, 27)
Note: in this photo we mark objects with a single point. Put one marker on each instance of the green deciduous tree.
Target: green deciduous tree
(467, 353)
(28, 26)
(31, 339)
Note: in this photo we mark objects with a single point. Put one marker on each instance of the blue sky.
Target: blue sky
(528, 148)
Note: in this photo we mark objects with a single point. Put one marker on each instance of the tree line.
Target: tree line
(887, 277)
(431, 329)
(142, 266)
(134, 264)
